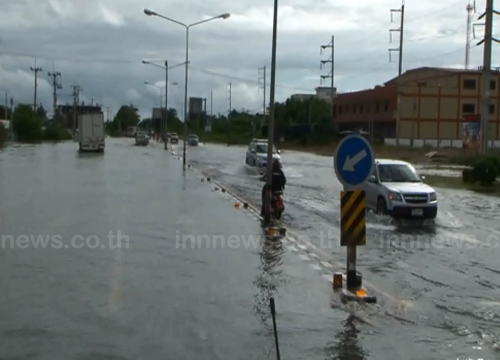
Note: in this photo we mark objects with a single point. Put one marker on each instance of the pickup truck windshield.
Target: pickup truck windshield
(397, 173)
(262, 148)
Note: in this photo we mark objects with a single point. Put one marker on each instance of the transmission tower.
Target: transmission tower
(486, 68)
(36, 70)
(76, 100)
(331, 74)
(400, 62)
(55, 86)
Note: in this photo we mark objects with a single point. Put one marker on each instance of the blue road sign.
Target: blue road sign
(353, 160)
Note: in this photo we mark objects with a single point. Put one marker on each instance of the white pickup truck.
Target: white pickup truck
(91, 132)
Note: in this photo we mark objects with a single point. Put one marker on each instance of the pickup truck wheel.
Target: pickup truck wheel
(381, 206)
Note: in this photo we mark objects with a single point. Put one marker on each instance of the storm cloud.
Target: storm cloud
(99, 45)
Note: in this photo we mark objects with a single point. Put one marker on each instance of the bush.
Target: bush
(3, 134)
(485, 173)
(495, 161)
(54, 132)
(468, 176)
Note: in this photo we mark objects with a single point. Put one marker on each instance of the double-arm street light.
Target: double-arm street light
(187, 27)
(166, 68)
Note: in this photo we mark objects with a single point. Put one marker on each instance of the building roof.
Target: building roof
(449, 71)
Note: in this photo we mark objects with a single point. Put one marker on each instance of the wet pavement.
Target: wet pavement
(105, 256)
(440, 281)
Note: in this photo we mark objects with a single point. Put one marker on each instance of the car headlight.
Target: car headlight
(433, 196)
(394, 196)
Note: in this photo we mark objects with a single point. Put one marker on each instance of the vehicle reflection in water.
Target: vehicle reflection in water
(268, 280)
(346, 346)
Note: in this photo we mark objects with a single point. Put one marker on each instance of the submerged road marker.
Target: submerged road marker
(353, 163)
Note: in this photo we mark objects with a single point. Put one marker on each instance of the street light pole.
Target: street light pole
(270, 130)
(166, 98)
(187, 27)
(185, 99)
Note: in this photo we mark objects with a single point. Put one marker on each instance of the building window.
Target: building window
(469, 84)
(492, 109)
(361, 108)
(377, 107)
(340, 110)
(493, 85)
(468, 108)
(386, 106)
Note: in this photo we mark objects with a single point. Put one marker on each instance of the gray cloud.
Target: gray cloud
(100, 45)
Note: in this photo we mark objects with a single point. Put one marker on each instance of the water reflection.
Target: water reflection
(346, 346)
(268, 280)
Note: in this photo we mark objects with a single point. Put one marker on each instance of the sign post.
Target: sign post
(353, 163)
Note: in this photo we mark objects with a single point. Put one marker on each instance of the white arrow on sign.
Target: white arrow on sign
(351, 161)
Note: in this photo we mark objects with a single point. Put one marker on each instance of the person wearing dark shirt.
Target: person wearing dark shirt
(278, 183)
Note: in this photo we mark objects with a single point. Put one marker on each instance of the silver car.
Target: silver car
(257, 153)
(193, 140)
(141, 139)
(394, 188)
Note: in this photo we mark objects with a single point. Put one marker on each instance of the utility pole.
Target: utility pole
(76, 100)
(270, 129)
(211, 103)
(5, 109)
(165, 126)
(55, 86)
(262, 77)
(331, 74)
(12, 119)
(400, 65)
(35, 70)
(486, 78)
(470, 8)
(230, 99)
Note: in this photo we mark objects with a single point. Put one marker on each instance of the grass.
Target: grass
(452, 182)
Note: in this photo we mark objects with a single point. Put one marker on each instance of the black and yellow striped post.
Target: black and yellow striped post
(353, 230)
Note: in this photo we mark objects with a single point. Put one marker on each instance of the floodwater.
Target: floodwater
(440, 280)
(111, 283)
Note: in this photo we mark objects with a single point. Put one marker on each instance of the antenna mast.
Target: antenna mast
(469, 9)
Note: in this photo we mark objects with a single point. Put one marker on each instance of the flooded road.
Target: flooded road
(444, 276)
(90, 266)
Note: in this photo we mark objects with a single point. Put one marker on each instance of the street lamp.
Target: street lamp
(187, 27)
(166, 68)
(161, 103)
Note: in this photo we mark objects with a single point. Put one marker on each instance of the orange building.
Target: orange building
(435, 103)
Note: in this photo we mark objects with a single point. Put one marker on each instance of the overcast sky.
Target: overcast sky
(99, 45)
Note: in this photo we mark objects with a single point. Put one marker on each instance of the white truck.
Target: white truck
(91, 132)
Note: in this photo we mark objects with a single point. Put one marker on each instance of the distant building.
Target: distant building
(67, 112)
(325, 93)
(435, 103)
(302, 97)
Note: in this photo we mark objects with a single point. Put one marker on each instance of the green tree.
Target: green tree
(2, 113)
(3, 135)
(126, 116)
(27, 127)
